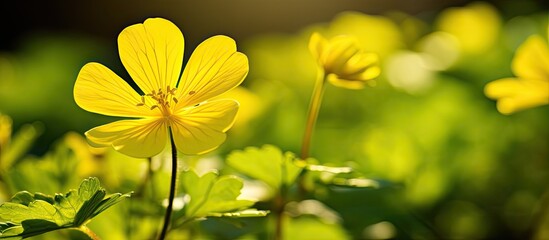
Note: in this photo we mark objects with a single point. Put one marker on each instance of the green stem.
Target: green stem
(312, 115)
(88, 232)
(280, 203)
(279, 212)
(169, 209)
(314, 108)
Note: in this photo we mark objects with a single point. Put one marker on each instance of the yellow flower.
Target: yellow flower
(344, 64)
(152, 53)
(531, 87)
(475, 26)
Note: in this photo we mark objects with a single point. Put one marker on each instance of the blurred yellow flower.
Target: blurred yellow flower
(531, 87)
(476, 26)
(152, 53)
(344, 64)
(111, 166)
(251, 105)
(5, 132)
(376, 34)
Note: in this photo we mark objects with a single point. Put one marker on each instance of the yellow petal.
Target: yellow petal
(502, 88)
(517, 94)
(532, 59)
(202, 129)
(214, 68)
(97, 89)
(345, 83)
(317, 44)
(136, 138)
(370, 73)
(359, 63)
(339, 51)
(152, 53)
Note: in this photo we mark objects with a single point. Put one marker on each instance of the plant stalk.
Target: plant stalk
(88, 232)
(171, 197)
(312, 115)
(314, 109)
(280, 202)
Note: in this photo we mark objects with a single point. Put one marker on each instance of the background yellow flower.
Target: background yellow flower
(344, 64)
(531, 87)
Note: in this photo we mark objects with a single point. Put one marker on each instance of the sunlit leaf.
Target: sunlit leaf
(212, 195)
(29, 214)
(267, 164)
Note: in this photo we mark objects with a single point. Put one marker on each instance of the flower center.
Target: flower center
(163, 100)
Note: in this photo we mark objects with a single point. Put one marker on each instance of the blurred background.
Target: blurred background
(454, 166)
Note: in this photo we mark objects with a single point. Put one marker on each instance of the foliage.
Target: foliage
(214, 196)
(30, 214)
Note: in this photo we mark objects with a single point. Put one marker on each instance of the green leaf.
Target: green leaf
(211, 195)
(267, 164)
(29, 214)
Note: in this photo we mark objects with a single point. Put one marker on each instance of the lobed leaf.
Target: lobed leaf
(29, 214)
(211, 195)
(267, 164)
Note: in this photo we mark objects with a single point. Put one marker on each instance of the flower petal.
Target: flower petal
(360, 63)
(317, 44)
(136, 138)
(152, 53)
(214, 68)
(201, 129)
(517, 94)
(340, 49)
(97, 89)
(345, 83)
(532, 59)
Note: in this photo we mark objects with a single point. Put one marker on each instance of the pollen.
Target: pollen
(164, 98)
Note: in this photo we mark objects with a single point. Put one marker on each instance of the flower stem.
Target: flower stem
(280, 202)
(314, 108)
(312, 115)
(171, 197)
(88, 232)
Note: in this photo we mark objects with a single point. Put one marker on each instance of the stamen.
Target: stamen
(172, 92)
(192, 92)
(142, 103)
(163, 98)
